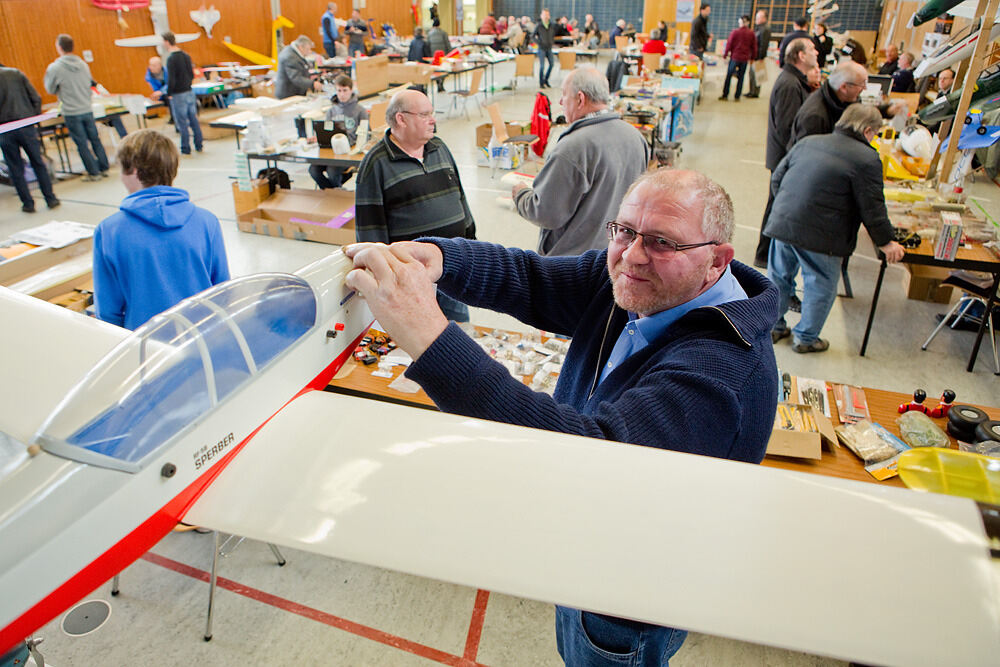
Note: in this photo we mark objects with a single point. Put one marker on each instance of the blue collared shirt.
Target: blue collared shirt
(641, 331)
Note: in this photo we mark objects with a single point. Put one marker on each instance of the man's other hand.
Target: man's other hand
(893, 252)
(398, 282)
(520, 185)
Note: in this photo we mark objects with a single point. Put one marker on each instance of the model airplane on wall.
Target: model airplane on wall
(985, 96)
(211, 413)
(161, 24)
(958, 48)
(931, 10)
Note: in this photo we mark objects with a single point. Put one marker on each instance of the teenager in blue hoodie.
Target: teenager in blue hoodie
(159, 248)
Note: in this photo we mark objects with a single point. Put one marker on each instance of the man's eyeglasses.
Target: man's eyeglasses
(426, 115)
(653, 244)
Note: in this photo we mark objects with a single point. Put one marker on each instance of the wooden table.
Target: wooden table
(974, 258)
(841, 463)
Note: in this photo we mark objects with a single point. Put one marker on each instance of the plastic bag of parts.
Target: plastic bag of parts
(871, 442)
(988, 447)
(918, 430)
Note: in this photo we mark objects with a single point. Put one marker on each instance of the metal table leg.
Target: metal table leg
(871, 313)
(983, 325)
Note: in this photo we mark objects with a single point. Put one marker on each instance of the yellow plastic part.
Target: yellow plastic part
(895, 169)
(256, 57)
(898, 194)
(952, 473)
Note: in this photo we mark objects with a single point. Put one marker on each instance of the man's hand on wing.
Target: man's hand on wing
(398, 282)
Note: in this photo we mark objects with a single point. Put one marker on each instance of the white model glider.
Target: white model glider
(207, 413)
(957, 48)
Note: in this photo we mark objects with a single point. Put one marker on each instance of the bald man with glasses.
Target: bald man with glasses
(671, 346)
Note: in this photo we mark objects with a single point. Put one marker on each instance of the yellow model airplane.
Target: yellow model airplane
(259, 58)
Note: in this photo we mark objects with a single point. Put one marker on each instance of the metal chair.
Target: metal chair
(974, 290)
(216, 552)
(472, 91)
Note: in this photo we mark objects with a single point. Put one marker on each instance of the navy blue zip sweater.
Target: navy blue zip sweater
(708, 385)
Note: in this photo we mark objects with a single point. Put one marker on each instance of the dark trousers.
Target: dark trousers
(326, 176)
(543, 74)
(764, 242)
(83, 131)
(330, 48)
(11, 144)
(740, 70)
(753, 88)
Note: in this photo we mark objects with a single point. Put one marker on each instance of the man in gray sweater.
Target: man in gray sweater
(586, 175)
(68, 78)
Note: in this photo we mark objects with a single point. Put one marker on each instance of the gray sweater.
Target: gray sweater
(68, 78)
(583, 183)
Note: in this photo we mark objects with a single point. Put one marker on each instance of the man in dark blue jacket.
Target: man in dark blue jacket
(665, 326)
(823, 190)
(159, 248)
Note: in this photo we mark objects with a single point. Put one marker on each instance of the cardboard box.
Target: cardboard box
(78, 299)
(324, 216)
(371, 75)
(207, 116)
(923, 283)
(35, 261)
(415, 73)
(798, 443)
(485, 131)
(247, 201)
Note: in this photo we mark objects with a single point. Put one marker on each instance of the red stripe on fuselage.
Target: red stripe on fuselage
(142, 539)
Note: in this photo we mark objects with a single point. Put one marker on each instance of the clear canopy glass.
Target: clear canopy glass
(177, 367)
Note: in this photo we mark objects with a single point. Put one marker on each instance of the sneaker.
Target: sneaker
(778, 334)
(818, 345)
(104, 174)
(795, 304)
(90, 178)
(28, 208)
(723, 98)
(197, 150)
(187, 152)
(52, 203)
(751, 96)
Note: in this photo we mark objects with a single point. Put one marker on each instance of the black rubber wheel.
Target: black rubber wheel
(988, 430)
(963, 420)
(968, 121)
(981, 130)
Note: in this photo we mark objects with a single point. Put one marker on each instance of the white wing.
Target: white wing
(44, 351)
(155, 40)
(800, 561)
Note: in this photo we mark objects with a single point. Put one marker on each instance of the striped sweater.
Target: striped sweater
(400, 198)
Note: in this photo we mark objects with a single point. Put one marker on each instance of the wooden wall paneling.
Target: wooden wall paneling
(245, 22)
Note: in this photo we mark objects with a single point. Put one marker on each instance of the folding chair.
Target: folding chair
(524, 65)
(472, 91)
(501, 137)
(621, 43)
(974, 290)
(567, 61)
(651, 62)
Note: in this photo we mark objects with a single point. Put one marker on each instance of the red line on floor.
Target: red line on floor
(321, 616)
(476, 625)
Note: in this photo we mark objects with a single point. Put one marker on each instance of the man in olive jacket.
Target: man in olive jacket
(789, 92)
(823, 190)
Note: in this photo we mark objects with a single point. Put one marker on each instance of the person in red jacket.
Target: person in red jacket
(741, 48)
(655, 43)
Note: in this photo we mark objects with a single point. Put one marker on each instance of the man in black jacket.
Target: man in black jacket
(19, 99)
(822, 109)
(823, 189)
(790, 90)
(544, 36)
(700, 36)
(800, 31)
(763, 33)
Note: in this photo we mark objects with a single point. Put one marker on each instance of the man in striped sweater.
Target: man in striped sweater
(408, 186)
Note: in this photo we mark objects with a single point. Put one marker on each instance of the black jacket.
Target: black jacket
(789, 92)
(18, 98)
(699, 33)
(795, 34)
(819, 113)
(824, 47)
(544, 37)
(763, 34)
(419, 49)
(823, 189)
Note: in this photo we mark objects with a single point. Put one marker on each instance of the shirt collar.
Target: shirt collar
(397, 153)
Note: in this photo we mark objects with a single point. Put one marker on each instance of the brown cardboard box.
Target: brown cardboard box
(77, 300)
(800, 444)
(415, 73)
(923, 283)
(24, 266)
(247, 201)
(485, 131)
(206, 116)
(303, 215)
(371, 75)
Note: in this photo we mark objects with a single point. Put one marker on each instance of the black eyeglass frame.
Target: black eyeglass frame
(613, 227)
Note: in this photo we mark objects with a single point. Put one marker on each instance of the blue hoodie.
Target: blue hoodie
(158, 250)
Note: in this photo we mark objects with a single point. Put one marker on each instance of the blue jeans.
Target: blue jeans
(184, 107)
(11, 144)
(820, 273)
(327, 176)
(543, 74)
(83, 131)
(453, 309)
(594, 640)
(740, 70)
